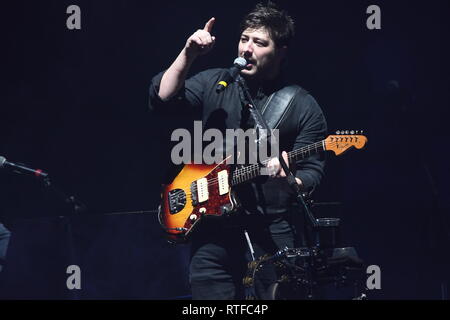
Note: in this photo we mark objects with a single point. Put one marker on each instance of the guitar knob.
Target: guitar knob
(193, 217)
(202, 210)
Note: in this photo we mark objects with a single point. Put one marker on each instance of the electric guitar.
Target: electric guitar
(206, 190)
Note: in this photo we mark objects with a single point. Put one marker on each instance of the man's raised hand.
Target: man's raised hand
(201, 42)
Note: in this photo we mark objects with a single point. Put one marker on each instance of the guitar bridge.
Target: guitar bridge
(177, 200)
(194, 197)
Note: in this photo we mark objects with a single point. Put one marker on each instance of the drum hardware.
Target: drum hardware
(300, 275)
(326, 234)
(361, 297)
(302, 272)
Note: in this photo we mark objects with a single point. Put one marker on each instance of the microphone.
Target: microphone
(231, 74)
(21, 169)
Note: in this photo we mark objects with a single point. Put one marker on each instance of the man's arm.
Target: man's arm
(200, 43)
(313, 129)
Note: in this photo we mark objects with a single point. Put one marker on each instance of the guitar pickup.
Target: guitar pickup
(202, 190)
(222, 178)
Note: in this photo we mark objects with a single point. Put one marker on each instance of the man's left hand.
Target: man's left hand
(275, 169)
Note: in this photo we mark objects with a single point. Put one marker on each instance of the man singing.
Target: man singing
(220, 251)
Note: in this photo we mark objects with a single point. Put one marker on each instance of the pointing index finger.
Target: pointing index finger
(209, 24)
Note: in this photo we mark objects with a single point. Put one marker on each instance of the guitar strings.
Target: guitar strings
(253, 169)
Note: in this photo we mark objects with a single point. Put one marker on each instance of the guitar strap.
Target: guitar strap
(278, 105)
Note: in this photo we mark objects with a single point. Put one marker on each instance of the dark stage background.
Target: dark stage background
(74, 102)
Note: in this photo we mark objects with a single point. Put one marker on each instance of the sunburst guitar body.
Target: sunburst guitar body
(199, 190)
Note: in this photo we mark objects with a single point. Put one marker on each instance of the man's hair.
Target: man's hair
(277, 22)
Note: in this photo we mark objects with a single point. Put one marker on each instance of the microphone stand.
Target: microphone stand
(76, 207)
(309, 217)
(289, 175)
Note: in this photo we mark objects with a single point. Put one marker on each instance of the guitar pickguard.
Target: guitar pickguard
(197, 192)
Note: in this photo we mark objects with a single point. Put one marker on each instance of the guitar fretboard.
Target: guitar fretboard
(249, 172)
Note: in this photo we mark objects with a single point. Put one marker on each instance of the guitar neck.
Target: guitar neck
(250, 172)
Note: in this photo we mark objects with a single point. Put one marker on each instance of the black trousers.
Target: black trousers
(220, 253)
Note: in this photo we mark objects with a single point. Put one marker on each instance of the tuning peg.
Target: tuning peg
(352, 132)
(338, 132)
(346, 132)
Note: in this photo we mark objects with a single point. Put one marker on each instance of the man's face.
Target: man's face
(263, 57)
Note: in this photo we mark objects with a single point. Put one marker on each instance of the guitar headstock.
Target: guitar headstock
(344, 140)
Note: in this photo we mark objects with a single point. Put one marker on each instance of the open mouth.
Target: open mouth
(250, 65)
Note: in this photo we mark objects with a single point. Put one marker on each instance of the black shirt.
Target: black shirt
(303, 125)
